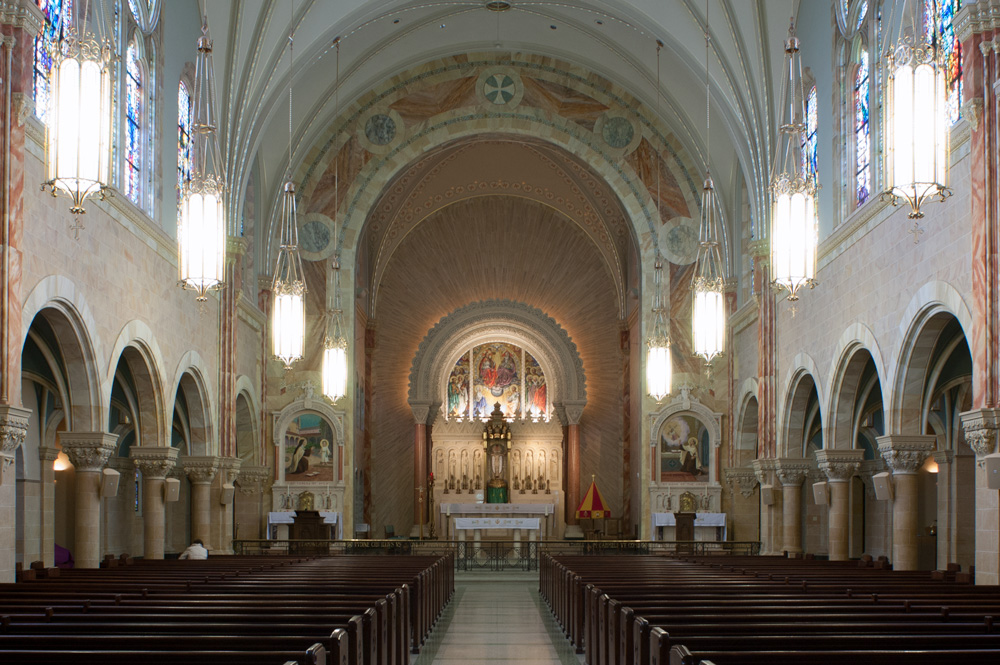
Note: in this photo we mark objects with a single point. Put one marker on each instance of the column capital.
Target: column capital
(230, 466)
(155, 462)
(744, 478)
(943, 456)
(569, 412)
(904, 454)
(981, 427)
(13, 428)
(839, 465)
(88, 451)
(764, 470)
(23, 14)
(791, 472)
(253, 479)
(200, 470)
(47, 453)
(422, 411)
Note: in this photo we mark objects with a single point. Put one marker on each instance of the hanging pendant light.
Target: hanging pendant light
(288, 322)
(916, 120)
(708, 311)
(335, 345)
(659, 367)
(201, 228)
(793, 192)
(78, 125)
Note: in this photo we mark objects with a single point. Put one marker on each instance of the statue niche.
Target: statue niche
(496, 442)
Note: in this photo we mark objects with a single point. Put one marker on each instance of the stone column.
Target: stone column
(839, 467)
(791, 473)
(222, 514)
(904, 455)
(981, 427)
(947, 533)
(155, 462)
(47, 505)
(771, 532)
(13, 429)
(201, 472)
(88, 452)
(421, 412)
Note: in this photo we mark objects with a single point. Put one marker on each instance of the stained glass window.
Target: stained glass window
(861, 14)
(949, 47)
(133, 123)
(861, 130)
(183, 138)
(58, 17)
(809, 140)
(133, 5)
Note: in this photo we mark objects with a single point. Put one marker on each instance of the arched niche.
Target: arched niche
(687, 409)
(492, 321)
(309, 407)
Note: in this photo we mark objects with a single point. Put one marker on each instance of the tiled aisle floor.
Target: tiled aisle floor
(497, 618)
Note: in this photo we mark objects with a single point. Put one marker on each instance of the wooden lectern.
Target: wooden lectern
(684, 527)
(308, 526)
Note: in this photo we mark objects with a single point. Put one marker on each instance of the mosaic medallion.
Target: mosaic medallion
(314, 236)
(618, 132)
(380, 129)
(499, 88)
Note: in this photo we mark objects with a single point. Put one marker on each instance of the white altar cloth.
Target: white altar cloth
(498, 508)
(532, 523)
(701, 520)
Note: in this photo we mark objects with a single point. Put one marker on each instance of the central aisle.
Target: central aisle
(497, 618)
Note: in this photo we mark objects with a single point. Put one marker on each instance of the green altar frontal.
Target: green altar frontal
(496, 495)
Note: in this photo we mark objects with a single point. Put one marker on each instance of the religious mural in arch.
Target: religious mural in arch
(497, 372)
(309, 450)
(684, 450)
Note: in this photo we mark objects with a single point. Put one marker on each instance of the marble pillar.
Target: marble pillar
(904, 455)
(13, 430)
(421, 411)
(155, 462)
(47, 505)
(201, 472)
(947, 528)
(791, 473)
(88, 452)
(839, 467)
(569, 414)
(981, 427)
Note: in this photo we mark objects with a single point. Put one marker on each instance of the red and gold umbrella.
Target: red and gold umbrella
(593, 505)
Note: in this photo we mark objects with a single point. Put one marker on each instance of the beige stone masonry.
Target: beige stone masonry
(155, 462)
(201, 471)
(981, 426)
(791, 473)
(839, 467)
(88, 452)
(904, 455)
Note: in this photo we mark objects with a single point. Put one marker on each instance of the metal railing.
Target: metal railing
(494, 555)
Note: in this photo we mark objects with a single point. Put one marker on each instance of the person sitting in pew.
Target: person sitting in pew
(195, 550)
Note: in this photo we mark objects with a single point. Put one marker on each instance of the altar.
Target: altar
(707, 526)
(503, 521)
(278, 523)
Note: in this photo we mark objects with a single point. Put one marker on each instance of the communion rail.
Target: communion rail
(494, 555)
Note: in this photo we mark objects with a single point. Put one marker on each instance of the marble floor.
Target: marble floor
(497, 618)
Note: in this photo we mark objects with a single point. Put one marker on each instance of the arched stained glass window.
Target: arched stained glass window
(58, 17)
(950, 49)
(861, 130)
(809, 144)
(862, 13)
(183, 138)
(133, 123)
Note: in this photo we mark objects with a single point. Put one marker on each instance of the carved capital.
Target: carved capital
(230, 467)
(839, 465)
(905, 454)
(972, 111)
(764, 470)
(981, 428)
(943, 457)
(253, 479)
(155, 462)
(569, 412)
(13, 428)
(200, 470)
(23, 14)
(744, 480)
(23, 105)
(791, 472)
(47, 454)
(422, 411)
(88, 451)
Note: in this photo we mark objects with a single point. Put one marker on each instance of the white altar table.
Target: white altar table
(458, 517)
(533, 523)
(498, 508)
(707, 526)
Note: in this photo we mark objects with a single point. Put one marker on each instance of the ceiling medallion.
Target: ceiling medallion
(498, 5)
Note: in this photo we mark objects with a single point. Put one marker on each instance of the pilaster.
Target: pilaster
(947, 533)
(47, 505)
(981, 427)
(222, 513)
(13, 429)
(771, 512)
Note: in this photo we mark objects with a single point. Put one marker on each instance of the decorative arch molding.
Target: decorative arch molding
(285, 417)
(802, 366)
(138, 335)
(684, 404)
(57, 292)
(491, 321)
(245, 388)
(931, 300)
(792, 414)
(206, 434)
(856, 338)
